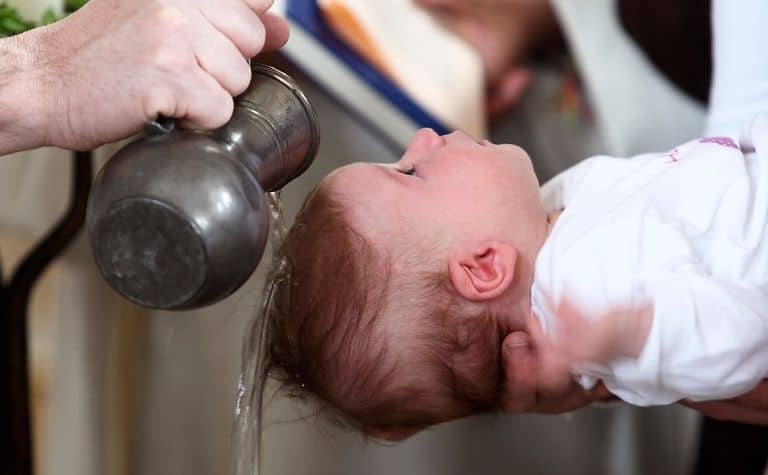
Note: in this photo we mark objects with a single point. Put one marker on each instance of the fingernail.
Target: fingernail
(514, 342)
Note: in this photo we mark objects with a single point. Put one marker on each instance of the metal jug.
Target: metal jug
(178, 219)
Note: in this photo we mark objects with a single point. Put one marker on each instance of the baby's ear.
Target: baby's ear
(392, 434)
(483, 271)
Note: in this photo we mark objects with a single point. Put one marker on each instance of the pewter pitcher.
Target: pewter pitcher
(178, 219)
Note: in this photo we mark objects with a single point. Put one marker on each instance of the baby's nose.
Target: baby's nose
(425, 140)
(460, 137)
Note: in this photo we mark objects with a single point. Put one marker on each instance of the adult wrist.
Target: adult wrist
(26, 92)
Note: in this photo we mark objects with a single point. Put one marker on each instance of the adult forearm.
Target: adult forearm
(23, 93)
(100, 74)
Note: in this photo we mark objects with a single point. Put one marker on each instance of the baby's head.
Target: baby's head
(404, 280)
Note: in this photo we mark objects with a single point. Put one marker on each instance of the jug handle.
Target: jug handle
(160, 126)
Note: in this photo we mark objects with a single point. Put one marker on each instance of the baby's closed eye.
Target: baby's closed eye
(411, 171)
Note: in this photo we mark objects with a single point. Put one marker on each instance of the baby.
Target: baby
(649, 274)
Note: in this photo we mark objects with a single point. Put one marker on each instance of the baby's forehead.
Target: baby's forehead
(365, 198)
(345, 182)
(349, 175)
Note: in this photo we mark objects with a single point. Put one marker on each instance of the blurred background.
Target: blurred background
(122, 390)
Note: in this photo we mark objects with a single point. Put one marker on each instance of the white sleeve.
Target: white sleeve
(708, 341)
(740, 80)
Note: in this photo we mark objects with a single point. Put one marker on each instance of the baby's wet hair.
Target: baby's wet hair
(330, 340)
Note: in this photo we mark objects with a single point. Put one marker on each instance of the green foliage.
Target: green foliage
(73, 5)
(11, 22)
(49, 16)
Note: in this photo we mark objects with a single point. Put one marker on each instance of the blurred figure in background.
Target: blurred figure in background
(508, 33)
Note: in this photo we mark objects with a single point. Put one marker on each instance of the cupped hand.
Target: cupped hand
(535, 382)
(504, 33)
(750, 408)
(116, 64)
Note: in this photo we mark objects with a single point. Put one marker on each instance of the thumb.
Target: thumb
(520, 373)
(508, 91)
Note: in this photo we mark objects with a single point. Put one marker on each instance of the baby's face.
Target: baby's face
(442, 190)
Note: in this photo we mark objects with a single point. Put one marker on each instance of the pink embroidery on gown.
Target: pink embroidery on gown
(724, 141)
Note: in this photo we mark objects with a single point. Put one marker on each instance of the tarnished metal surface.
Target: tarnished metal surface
(177, 219)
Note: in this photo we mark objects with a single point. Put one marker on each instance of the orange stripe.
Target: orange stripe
(345, 24)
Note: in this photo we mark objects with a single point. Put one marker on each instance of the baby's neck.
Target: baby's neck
(552, 217)
(519, 305)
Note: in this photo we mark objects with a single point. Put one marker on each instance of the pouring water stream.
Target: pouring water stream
(248, 425)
